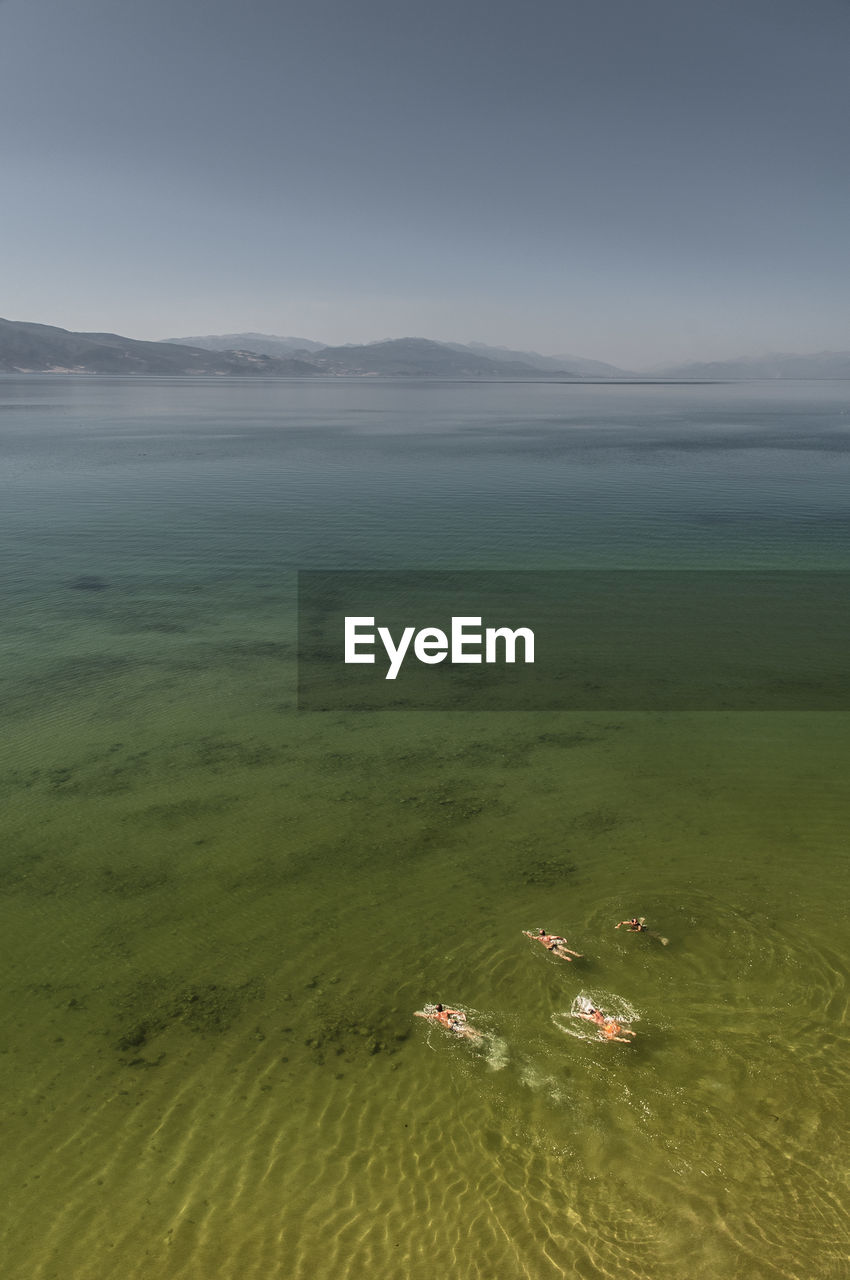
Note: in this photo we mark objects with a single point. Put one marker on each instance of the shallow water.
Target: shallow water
(220, 915)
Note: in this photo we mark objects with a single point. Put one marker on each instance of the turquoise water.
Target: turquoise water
(220, 915)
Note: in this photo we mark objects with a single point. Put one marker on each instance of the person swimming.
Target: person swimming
(638, 924)
(635, 925)
(452, 1019)
(609, 1028)
(553, 942)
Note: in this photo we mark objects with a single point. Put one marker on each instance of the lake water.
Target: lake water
(220, 914)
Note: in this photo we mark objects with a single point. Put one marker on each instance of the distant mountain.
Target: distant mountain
(42, 348)
(824, 364)
(593, 368)
(555, 364)
(426, 363)
(422, 358)
(262, 344)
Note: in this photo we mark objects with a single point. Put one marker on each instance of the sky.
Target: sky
(642, 183)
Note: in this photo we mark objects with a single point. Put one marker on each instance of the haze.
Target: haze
(635, 183)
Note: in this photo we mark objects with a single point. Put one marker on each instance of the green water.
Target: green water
(219, 915)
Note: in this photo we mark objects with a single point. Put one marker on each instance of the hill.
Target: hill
(420, 357)
(261, 344)
(412, 360)
(578, 365)
(42, 348)
(396, 357)
(823, 364)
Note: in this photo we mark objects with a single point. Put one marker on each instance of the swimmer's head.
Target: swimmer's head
(439, 1008)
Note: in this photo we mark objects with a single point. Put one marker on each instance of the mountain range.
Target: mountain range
(40, 348)
(822, 364)
(551, 364)
(263, 344)
(422, 358)
(272, 345)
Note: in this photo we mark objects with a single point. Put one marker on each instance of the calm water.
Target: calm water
(220, 915)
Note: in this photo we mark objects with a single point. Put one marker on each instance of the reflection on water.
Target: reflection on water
(220, 916)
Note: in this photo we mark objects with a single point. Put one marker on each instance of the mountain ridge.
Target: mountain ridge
(421, 357)
(776, 365)
(264, 344)
(576, 364)
(273, 344)
(38, 348)
(28, 347)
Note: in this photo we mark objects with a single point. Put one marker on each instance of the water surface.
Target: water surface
(220, 915)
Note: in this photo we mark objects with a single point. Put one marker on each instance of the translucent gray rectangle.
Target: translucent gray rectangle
(627, 640)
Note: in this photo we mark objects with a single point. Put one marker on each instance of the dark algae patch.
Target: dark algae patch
(158, 1004)
(342, 1030)
(124, 880)
(545, 871)
(598, 822)
(450, 802)
(220, 755)
(176, 812)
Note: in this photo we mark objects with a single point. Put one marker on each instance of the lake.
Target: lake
(220, 912)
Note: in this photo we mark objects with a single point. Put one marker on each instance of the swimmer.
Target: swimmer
(638, 924)
(554, 943)
(634, 925)
(452, 1019)
(609, 1028)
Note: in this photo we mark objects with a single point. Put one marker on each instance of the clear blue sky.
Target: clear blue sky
(638, 182)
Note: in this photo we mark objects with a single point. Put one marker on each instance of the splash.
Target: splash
(573, 1023)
